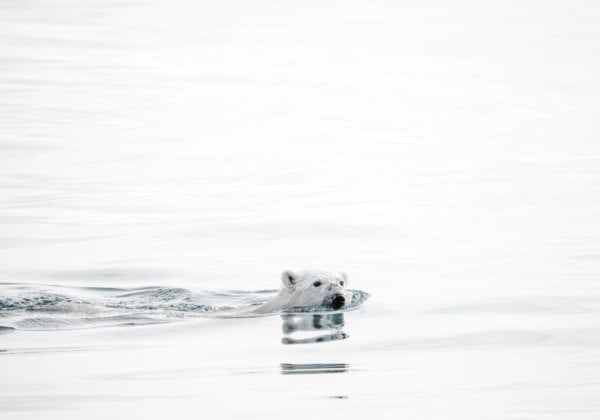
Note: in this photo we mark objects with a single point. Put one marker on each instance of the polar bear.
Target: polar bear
(309, 288)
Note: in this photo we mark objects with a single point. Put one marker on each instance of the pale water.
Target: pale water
(161, 162)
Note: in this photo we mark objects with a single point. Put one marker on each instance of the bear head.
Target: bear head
(315, 288)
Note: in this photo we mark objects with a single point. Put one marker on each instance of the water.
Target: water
(40, 307)
(163, 162)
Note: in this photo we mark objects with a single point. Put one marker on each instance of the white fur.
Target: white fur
(299, 290)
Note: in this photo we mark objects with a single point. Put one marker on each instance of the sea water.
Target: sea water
(162, 162)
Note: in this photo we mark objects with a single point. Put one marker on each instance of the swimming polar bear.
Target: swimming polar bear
(308, 288)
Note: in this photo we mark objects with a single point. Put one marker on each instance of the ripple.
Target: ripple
(111, 273)
(357, 298)
(588, 337)
(55, 323)
(5, 329)
(313, 368)
(283, 231)
(45, 307)
(34, 301)
(527, 305)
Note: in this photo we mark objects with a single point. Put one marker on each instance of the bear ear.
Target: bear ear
(289, 278)
(344, 276)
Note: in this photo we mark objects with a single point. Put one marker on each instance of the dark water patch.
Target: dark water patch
(34, 301)
(43, 350)
(5, 329)
(313, 368)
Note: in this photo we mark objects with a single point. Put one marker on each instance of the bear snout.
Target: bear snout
(338, 301)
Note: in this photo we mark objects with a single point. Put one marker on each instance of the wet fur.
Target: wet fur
(299, 290)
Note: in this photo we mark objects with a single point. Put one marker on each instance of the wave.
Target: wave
(4, 329)
(41, 307)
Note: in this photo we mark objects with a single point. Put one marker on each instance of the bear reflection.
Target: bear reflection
(312, 328)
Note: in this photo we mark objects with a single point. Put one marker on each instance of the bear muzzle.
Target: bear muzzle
(337, 301)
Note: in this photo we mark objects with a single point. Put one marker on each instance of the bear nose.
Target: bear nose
(338, 301)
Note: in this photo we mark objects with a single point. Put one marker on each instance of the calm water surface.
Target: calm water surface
(163, 161)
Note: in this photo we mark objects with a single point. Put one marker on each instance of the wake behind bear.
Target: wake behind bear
(309, 288)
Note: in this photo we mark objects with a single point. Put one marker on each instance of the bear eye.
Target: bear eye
(342, 283)
(317, 283)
